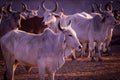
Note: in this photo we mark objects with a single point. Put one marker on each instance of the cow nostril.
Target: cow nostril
(80, 47)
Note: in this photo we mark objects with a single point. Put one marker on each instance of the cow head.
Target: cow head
(2, 12)
(116, 13)
(30, 13)
(107, 15)
(14, 16)
(49, 15)
(70, 39)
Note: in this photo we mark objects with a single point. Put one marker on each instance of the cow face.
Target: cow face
(108, 19)
(30, 13)
(49, 16)
(71, 39)
(2, 13)
(15, 17)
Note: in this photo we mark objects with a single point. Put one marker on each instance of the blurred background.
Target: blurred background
(69, 6)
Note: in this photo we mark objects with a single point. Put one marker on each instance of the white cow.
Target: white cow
(90, 27)
(46, 50)
(109, 9)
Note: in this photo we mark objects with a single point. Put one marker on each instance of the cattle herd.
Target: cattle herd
(43, 42)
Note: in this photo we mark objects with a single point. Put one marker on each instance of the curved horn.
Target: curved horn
(56, 7)
(43, 6)
(108, 6)
(92, 6)
(38, 8)
(100, 8)
(24, 7)
(59, 27)
(69, 23)
(62, 10)
(9, 9)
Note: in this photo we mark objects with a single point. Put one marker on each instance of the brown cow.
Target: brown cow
(33, 25)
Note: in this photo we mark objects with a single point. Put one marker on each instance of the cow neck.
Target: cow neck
(63, 47)
(104, 29)
(54, 25)
(6, 22)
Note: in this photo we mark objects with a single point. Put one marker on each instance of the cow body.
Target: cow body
(90, 27)
(45, 51)
(33, 25)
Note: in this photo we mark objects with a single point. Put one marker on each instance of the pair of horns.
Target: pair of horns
(62, 28)
(108, 7)
(26, 8)
(9, 9)
(44, 8)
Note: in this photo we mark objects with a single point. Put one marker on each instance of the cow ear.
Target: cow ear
(4, 11)
(56, 15)
(59, 27)
(69, 23)
(24, 7)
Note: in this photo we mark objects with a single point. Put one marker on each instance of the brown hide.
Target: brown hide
(33, 25)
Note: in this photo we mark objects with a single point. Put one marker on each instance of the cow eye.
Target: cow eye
(70, 35)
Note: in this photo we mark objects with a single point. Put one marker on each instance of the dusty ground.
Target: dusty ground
(82, 69)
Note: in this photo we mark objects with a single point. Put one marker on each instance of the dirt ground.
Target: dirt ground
(81, 69)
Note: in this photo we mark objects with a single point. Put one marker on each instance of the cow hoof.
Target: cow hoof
(93, 60)
(73, 58)
(5, 75)
(100, 60)
(109, 53)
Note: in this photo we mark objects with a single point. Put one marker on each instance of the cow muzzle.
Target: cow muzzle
(80, 46)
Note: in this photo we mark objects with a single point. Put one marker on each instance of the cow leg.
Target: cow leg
(53, 76)
(51, 72)
(99, 47)
(41, 69)
(84, 47)
(9, 68)
(73, 55)
(41, 73)
(108, 48)
(91, 51)
(14, 68)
